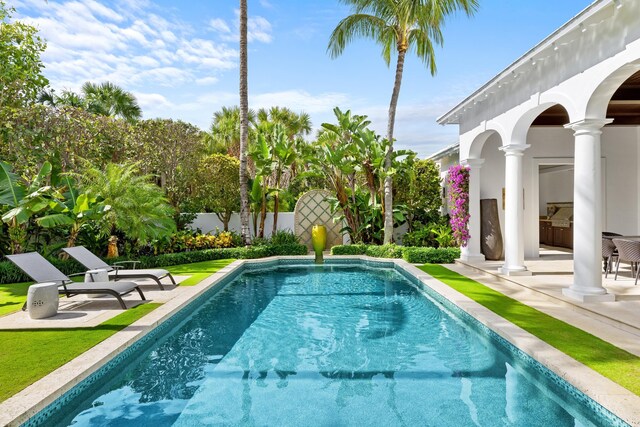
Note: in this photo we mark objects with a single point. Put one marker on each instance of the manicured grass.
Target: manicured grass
(28, 355)
(601, 356)
(12, 296)
(198, 270)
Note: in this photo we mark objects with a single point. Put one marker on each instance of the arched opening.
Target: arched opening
(491, 184)
(550, 185)
(624, 106)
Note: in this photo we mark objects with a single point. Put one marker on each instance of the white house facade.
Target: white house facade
(561, 122)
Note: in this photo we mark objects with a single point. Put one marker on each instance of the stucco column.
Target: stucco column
(514, 212)
(587, 213)
(471, 252)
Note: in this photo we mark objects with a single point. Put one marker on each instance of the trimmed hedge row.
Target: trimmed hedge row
(9, 273)
(415, 255)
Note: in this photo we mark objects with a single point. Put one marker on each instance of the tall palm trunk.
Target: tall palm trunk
(244, 126)
(388, 180)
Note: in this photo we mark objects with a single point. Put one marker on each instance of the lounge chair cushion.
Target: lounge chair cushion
(119, 287)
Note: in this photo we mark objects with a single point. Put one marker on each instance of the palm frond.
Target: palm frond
(352, 27)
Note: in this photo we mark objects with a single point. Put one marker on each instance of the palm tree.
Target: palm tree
(136, 207)
(224, 134)
(295, 124)
(104, 99)
(244, 126)
(108, 99)
(405, 25)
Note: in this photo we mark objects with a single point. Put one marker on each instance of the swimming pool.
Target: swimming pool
(347, 343)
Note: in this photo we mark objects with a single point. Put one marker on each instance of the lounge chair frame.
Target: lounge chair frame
(93, 262)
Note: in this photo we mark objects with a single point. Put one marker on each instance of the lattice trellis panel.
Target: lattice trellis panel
(313, 209)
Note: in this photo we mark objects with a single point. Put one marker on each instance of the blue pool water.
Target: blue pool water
(326, 346)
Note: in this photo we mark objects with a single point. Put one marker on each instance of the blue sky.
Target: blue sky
(181, 58)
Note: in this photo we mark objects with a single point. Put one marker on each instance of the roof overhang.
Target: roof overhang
(447, 151)
(453, 115)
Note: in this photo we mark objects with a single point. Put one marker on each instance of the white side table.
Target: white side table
(42, 300)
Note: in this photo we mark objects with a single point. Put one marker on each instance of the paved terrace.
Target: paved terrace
(617, 322)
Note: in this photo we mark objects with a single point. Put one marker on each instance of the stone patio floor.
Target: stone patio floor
(617, 322)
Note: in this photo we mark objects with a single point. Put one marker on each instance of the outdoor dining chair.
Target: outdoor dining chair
(609, 253)
(628, 250)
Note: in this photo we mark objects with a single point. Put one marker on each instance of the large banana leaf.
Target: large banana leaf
(54, 220)
(11, 192)
(44, 172)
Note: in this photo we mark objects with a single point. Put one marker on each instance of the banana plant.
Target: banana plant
(262, 156)
(23, 202)
(73, 210)
(284, 157)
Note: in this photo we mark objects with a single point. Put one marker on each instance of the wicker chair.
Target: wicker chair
(609, 252)
(628, 250)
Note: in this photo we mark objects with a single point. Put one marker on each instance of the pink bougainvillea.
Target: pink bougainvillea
(458, 191)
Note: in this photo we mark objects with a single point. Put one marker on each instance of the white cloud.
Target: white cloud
(259, 29)
(127, 43)
(219, 25)
(299, 100)
(205, 81)
(266, 4)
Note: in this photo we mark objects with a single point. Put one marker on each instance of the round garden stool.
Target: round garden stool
(42, 300)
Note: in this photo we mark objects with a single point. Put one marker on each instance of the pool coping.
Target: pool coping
(28, 402)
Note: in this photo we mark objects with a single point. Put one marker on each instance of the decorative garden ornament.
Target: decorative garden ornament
(319, 241)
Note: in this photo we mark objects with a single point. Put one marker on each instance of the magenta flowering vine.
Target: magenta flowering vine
(458, 191)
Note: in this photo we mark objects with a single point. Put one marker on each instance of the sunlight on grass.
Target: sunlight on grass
(198, 270)
(614, 363)
(12, 296)
(28, 355)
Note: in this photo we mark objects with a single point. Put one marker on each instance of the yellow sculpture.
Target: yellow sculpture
(319, 241)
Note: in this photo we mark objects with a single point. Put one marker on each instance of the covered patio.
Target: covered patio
(561, 124)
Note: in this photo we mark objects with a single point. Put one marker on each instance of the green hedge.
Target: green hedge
(9, 273)
(410, 254)
(431, 255)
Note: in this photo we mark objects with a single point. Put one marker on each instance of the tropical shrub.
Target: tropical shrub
(431, 255)
(284, 237)
(138, 207)
(458, 191)
(21, 77)
(214, 187)
(417, 187)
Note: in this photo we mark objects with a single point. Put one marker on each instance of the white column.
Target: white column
(514, 212)
(587, 213)
(471, 252)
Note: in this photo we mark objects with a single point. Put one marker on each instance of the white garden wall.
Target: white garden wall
(208, 222)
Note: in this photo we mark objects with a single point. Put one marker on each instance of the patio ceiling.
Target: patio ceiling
(624, 107)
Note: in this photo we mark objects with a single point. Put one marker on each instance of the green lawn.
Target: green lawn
(198, 270)
(601, 356)
(29, 355)
(12, 296)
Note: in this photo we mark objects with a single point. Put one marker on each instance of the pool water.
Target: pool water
(326, 346)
